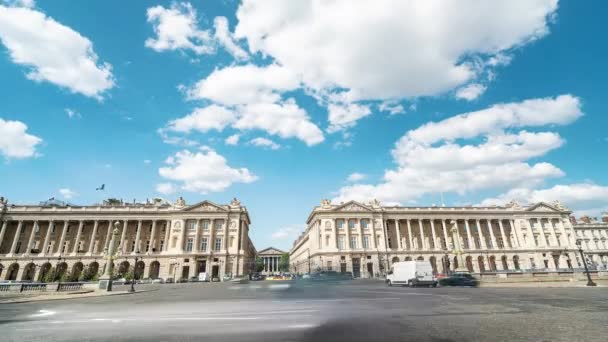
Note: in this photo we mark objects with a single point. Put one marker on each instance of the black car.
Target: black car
(459, 279)
(257, 277)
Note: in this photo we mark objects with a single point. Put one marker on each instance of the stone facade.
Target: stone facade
(366, 238)
(594, 240)
(169, 240)
(271, 258)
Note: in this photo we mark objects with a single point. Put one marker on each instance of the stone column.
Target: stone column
(360, 234)
(422, 239)
(435, 247)
(531, 233)
(108, 234)
(45, 244)
(123, 236)
(505, 242)
(409, 234)
(168, 234)
(542, 232)
(552, 230)
(481, 236)
(197, 236)
(138, 235)
(93, 234)
(78, 233)
(211, 232)
(398, 229)
(445, 235)
(3, 231)
(30, 241)
(492, 237)
(347, 229)
(469, 236)
(62, 238)
(516, 233)
(16, 238)
(152, 238)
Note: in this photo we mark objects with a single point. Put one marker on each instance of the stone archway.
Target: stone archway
(76, 271)
(516, 262)
(482, 266)
(28, 272)
(138, 272)
(394, 260)
(154, 269)
(123, 268)
(44, 271)
(492, 263)
(433, 261)
(61, 269)
(505, 264)
(420, 258)
(11, 272)
(469, 262)
(456, 263)
(93, 269)
(407, 258)
(1, 270)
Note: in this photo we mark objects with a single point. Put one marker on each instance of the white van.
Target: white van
(411, 273)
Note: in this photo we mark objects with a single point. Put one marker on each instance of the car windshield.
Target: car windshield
(303, 170)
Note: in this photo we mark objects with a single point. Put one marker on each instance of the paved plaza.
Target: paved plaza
(361, 310)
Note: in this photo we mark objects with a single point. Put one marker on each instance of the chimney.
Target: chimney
(605, 217)
(586, 219)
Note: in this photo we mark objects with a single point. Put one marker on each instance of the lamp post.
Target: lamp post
(579, 244)
(105, 282)
(132, 289)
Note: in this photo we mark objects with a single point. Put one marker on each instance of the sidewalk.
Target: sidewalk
(17, 298)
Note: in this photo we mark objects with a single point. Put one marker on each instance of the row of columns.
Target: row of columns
(76, 246)
(271, 264)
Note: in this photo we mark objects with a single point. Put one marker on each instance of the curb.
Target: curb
(36, 299)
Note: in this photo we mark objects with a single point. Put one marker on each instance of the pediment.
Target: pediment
(352, 206)
(542, 206)
(205, 206)
(271, 251)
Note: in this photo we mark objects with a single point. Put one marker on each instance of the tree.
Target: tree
(284, 262)
(259, 264)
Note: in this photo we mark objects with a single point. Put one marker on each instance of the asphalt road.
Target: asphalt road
(352, 311)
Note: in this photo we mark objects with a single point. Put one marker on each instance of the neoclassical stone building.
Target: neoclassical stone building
(366, 238)
(170, 240)
(594, 239)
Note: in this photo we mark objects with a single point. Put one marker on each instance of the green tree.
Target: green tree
(259, 264)
(284, 262)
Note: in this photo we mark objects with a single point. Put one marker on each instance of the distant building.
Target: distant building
(366, 239)
(593, 235)
(171, 240)
(271, 257)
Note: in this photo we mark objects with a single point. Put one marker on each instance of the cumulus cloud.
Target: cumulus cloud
(67, 193)
(391, 107)
(53, 52)
(233, 139)
(15, 142)
(580, 197)
(470, 92)
(355, 177)
(345, 116)
(474, 151)
(203, 171)
(176, 28)
(204, 119)
(165, 188)
(264, 142)
(224, 37)
(434, 46)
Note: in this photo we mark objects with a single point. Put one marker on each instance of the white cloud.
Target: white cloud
(204, 119)
(343, 116)
(470, 92)
(15, 142)
(391, 107)
(288, 232)
(355, 177)
(224, 37)
(245, 84)
(53, 52)
(233, 139)
(176, 28)
(165, 188)
(147, 161)
(203, 171)
(264, 142)
(472, 151)
(21, 3)
(72, 113)
(434, 45)
(580, 197)
(67, 193)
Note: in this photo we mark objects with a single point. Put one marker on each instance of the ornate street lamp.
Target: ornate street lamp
(132, 289)
(579, 244)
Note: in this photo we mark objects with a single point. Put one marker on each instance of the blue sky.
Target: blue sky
(403, 102)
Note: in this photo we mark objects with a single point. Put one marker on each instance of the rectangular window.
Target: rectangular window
(351, 224)
(366, 241)
(353, 242)
(364, 224)
(340, 224)
(162, 245)
(341, 242)
(218, 224)
(189, 245)
(500, 242)
(148, 246)
(329, 265)
(205, 225)
(204, 244)
(191, 226)
(218, 244)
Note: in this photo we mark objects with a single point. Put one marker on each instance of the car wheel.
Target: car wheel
(389, 283)
(434, 284)
(410, 283)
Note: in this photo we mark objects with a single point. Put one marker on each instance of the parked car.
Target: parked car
(257, 276)
(411, 273)
(240, 280)
(459, 279)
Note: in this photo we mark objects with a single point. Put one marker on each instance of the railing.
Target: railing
(41, 287)
(69, 287)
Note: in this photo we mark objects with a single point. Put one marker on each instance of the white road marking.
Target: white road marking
(301, 326)
(43, 313)
(279, 286)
